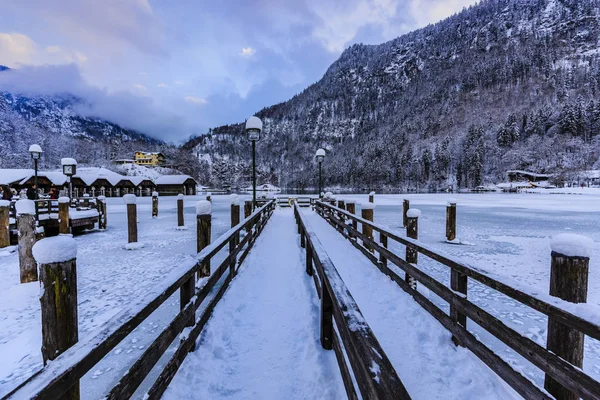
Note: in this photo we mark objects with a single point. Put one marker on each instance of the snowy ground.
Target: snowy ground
(510, 235)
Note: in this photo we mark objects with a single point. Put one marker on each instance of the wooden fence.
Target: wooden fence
(64, 373)
(571, 377)
(360, 356)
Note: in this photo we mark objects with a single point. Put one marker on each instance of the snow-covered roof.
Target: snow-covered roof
(518, 171)
(172, 179)
(136, 180)
(89, 175)
(20, 176)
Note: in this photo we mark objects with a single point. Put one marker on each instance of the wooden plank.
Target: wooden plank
(341, 359)
(565, 317)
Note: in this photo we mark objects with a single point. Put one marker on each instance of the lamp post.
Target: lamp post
(320, 157)
(36, 152)
(253, 128)
(69, 166)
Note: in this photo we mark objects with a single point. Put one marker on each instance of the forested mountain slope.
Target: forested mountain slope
(503, 84)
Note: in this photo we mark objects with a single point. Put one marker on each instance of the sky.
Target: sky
(173, 69)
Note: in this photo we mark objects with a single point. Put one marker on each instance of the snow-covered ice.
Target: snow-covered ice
(55, 249)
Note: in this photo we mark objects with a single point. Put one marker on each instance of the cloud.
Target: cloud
(162, 85)
(195, 100)
(247, 52)
(141, 113)
(19, 49)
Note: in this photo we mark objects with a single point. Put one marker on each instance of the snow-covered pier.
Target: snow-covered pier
(303, 303)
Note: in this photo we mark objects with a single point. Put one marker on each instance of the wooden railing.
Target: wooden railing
(359, 355)
(572, 378)
(64, 373)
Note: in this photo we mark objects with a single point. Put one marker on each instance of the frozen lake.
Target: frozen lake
(510, 236)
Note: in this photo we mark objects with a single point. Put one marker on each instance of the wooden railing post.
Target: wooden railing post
(367, 213)
(203, 228)
(326, 318)
(180, 221)
(458, 283)
(384, 243)
(57, 258)
(235, 220)
(63, 215)
(412, 231)
(351, 208)
(154, 204)
(309, 259)
(372, 197)
(4, 223)
(568, 281)
(405, 207)
(25, 211)
(132, 234)
(101, 207)
(451, 220)
(247, 212)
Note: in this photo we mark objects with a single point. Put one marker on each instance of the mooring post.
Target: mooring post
(101, 205)
(180, 221)
(341, 204)
(154, 204)
(132, 233)
(203, 227)
(235, 220)
(367, 213)
(451, 220)
(26, 225)
(57, 259)
(63, 215)
(569, 271)
(372, 197)
(412, 231)
(209, 196)
(405, 207)
(4, 223)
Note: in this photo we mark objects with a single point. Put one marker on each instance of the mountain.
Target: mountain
(54, 123)
(504, 84)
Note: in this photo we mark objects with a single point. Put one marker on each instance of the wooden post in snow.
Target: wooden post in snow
(405, 207)
(132, 234)
(412, 231)
(26, 225)
(63, 215)
(56, 257)
(235, 220)
(4, 223)
(341, 204)
(203, 227)
(367, 213)
(180, 221)
(568, 281)
(247, 212)
(101, 205)
(451, 220)
(372, 197)
(351, 208)
(209, 196)
(154, 204)
(86, 200)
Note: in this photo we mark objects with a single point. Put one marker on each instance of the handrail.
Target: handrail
(373, 372)
(64, 372)
(562, 371)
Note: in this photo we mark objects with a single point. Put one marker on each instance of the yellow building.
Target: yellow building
(154, 159)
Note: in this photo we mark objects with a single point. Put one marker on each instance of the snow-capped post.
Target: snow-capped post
(4, 223)
(63, 215)
(132, 234)
(180, 221)
(247, 212)
(203, 226)
(57, 258)
(569, 281)
(209, 196)
(235, 220)
(451, 220)
(86, 200)
(101, 205)
(405, 207)
(412, 231)
(26, 226)
(341, 204)
(367, 213)
(154, 204)
(372, 197)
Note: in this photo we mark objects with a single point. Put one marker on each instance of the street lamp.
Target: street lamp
(69, 166)
(253, 128)
(36, 152)
(320, 157)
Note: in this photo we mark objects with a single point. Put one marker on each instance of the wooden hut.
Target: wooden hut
(143, 186)
(172, 185)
